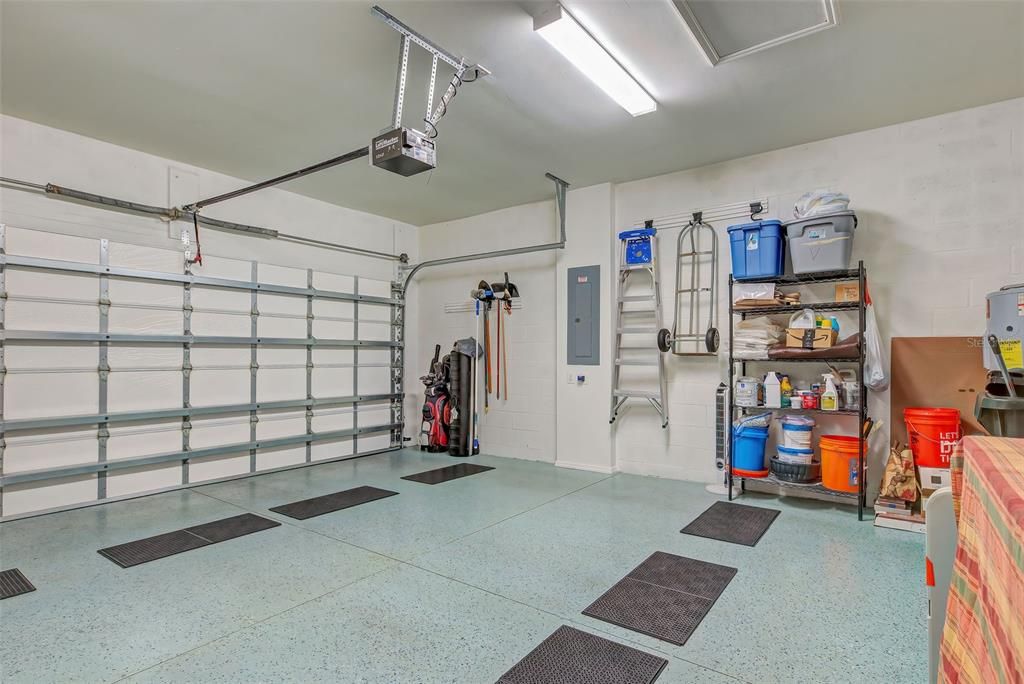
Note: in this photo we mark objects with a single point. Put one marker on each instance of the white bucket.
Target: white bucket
(796, 436)
(801, 456)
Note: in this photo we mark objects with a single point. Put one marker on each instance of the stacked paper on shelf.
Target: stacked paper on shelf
(753, 338)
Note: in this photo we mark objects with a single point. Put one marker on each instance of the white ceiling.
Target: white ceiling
(254, 89)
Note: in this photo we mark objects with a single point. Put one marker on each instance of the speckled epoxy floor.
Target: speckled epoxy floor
(448, 583)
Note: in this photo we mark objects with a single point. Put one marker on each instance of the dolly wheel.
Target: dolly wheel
(664, 340)
(711, 340)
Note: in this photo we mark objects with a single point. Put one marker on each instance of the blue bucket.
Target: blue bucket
(748, 447)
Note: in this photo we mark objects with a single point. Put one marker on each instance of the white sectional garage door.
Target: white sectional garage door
(126, 374)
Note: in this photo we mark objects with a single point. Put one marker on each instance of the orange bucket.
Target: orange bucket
(839, 471)
(933, 434)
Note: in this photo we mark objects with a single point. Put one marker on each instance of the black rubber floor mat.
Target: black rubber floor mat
(153, 548)
(229, 528)
(310, 508)
(664, 614)
(14, 583)
(684, 574)
(196, 537)
(732, 522)
(665, 597)
(454, 472)
(570, 656)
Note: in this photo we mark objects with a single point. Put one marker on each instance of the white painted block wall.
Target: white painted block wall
(939, 203)
(523, 426)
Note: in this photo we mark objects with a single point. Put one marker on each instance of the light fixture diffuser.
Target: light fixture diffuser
(566, 35)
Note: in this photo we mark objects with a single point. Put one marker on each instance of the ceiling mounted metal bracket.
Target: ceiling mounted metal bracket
(409, 36)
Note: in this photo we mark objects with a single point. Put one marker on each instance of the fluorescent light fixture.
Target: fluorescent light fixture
(565, 34)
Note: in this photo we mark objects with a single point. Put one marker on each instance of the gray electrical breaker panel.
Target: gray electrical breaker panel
(584, 306)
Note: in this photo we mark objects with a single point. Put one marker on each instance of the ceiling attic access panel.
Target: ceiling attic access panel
(728, 29)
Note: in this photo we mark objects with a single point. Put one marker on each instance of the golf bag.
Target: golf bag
(435, 430)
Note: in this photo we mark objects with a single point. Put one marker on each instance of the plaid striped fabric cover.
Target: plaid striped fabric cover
(983, 639)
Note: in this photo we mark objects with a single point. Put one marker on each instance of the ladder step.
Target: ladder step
(634, 362)
(699, 289)
(643, 394)
(632, 330)
(636, 298)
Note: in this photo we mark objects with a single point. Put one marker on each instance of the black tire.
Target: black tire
(711, 340)
(664, 340)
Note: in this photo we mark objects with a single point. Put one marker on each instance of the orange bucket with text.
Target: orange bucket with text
(933, 434)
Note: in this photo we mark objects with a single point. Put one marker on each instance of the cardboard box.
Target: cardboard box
(810, 338)
(934, 478)
(848, 292)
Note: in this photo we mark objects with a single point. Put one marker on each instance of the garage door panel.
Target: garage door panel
(40, 395)
(276, 326)
(213, 387)
(333, 282)
(329, 420)
(46, 245)
(144, 390)
(333, 330)
(58, 492)
(279, 458)
(220, 324)
(279, 384)
(331, 449)
(60, 317)
(332, 382)
(55, 449)
(143, 479)
(374, 380)
(140, 321)
(217, 467)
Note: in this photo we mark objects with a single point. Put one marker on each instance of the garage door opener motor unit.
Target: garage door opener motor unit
(407, 151)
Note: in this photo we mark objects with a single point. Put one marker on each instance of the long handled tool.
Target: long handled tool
(487, 357)
(504, 340)
(497, 368)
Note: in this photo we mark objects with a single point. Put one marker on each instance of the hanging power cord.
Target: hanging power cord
(449, 95)
(198, 259)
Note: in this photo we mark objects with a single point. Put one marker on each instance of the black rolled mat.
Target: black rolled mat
(328, 503)
(153, 548)
(439, 475)
(665, 597)
(196, 537)
(14, 583)
(230, 528)
(732, 522)
(570, 656)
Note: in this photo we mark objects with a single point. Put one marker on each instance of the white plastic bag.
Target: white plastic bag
(804, 319)
(821, 203)
(874, 362)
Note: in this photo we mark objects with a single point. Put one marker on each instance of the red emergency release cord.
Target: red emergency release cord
(199, 250)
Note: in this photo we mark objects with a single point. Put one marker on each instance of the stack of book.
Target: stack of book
(898, 514)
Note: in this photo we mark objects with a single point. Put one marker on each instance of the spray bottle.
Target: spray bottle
(830, 397)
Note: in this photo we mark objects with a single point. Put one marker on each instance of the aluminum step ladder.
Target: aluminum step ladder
(638, 329)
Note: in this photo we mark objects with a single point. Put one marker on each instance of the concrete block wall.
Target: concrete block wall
(939, 202)
(522, 426)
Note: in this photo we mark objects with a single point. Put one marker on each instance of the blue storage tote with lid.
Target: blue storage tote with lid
(758, 249)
